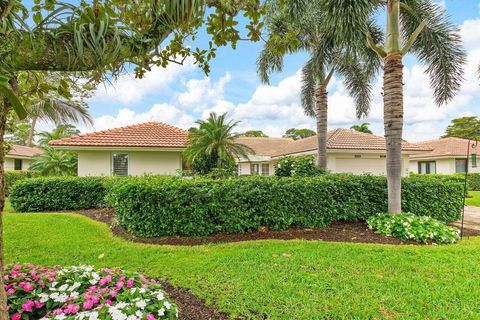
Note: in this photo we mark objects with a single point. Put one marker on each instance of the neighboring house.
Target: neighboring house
(447, 156)
(147, 148)
(348, 151)
(20, 157)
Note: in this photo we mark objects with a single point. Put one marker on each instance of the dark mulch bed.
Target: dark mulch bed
(337, 232)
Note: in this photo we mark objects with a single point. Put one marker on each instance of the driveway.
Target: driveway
(472, 218)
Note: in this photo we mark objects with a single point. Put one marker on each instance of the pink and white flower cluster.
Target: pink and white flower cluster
(36, 292)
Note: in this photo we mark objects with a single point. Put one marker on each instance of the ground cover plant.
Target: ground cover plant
(83, 293)
(407, 226)
(271, 279)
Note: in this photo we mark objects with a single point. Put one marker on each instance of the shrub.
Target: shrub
(83, 293)
(152, 206)
(11, 177)
(473, 181)
(58, 193)
(301, 166)
(407, 226)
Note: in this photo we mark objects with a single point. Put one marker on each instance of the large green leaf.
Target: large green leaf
(7, 92)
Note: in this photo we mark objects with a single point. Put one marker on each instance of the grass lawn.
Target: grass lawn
(474, 200)
(273, 279)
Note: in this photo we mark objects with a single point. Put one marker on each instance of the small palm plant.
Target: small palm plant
(215, 139)
(55, 163)
(363, 127)
(61, 131)
(296, 27)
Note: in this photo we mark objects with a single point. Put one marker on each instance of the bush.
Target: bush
(59, 193)
(11, 177)
(152, 206)
(83, 293)
(407, 226)
(473, 181)
(301, 166)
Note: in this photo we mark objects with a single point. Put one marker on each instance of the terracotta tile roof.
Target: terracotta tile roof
(23, 151)
(264, 146)
(445, 147)
(345, 139)
(149, 134)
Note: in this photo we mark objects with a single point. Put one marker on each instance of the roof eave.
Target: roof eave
(117, 148)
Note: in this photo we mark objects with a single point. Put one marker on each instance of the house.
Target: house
(20, 157)
(348, 151)
(447, 156)
(147, 148)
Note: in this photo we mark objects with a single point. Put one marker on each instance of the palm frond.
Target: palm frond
(60, 111)
(439, 47)
(310, 75)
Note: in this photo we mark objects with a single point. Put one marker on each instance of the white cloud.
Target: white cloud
(164, 112)
(201, 93)
(127, 89)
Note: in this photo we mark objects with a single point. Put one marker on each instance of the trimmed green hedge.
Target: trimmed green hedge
(58, 193)
(11, 177)
(152, 206)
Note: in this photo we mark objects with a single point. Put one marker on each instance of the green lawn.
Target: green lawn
(474, 200)
(255, 280)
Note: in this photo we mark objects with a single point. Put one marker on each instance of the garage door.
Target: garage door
(359, 166)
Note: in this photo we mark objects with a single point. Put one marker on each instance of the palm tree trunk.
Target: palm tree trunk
(321, 96)
(393, 122)
(32, 132)
(4, 106)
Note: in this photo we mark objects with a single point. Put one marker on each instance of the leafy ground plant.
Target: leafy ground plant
(407, 226)
(82, 292)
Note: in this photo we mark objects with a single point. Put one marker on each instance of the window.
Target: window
(474, 160)
(254, 168)
(265, 169)
(427, 167)
(17, 165)
(120, 164)
(460, 165)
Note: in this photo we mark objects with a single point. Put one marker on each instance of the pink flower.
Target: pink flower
(10, 291)
(72, 309)
(130, 283)
(92, 289)
(105, 280)
(51, 279)
(39, 304)
(87, 305)
(17, 267)
(58, 311)
(119, 285)
(103, 290)
(5, 277)
(95, 299)
(150, 317)
(109, 302)
(27, 306)
(109, 271)
(16, 316)
(14, 274)
(28, 287)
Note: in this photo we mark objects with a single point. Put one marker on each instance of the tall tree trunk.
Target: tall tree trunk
(31, 133)
(321, 97)
(393, 121)
(4, 106)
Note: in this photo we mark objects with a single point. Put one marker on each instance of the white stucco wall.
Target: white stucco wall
(362, 163)
(10, 164)
(444, 166)
(244, 167)
(99, 163)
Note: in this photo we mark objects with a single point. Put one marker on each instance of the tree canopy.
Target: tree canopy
(254, 133)
(464, 127)
(297, 134)
(363, 127)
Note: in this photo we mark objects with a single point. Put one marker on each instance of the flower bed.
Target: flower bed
(407, 226)
(82, 292)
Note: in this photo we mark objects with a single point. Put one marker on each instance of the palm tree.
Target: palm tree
(421, 27)
(61, 131)
(215, 139)
(55, 163)
(363, 127)
(303, 28)
(57, 111)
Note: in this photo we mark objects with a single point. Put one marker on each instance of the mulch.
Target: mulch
(357, 232)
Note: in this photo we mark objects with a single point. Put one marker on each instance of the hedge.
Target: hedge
(11, 177)
(58, 193)
(473, 179)
(150, 207)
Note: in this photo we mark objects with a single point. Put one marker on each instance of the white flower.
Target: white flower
(93, 316)
(160, 296)
(142, 290)
(60, 317)
(121, 305)
(141, 304)
(167, 305)
(161, 312)
(74, 286)
(43, 297)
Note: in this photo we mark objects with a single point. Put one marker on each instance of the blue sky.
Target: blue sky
(179, 95)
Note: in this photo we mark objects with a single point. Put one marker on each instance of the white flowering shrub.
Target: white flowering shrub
(407, 226)
(36, 292)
